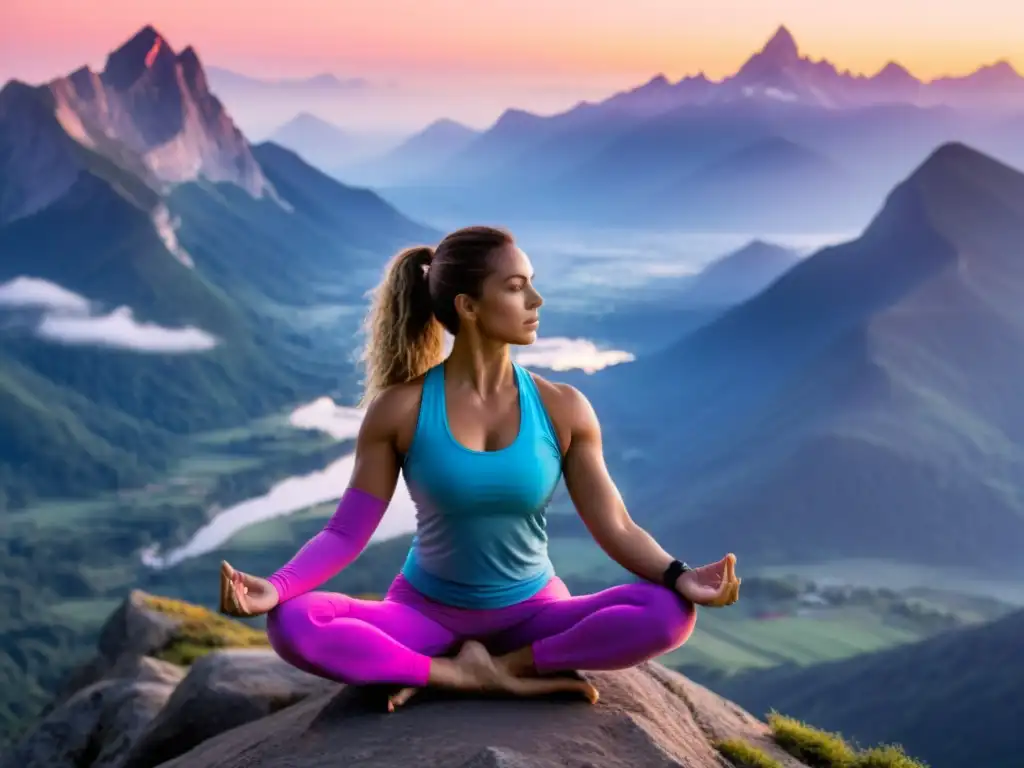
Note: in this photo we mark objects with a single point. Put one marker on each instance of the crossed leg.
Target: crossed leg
(366, 641)
(361, 642)
(357, 641)
(616, 628)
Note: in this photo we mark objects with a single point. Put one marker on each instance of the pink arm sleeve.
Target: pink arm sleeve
(339, 543)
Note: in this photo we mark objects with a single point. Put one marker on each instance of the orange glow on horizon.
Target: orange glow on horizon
(519, 38)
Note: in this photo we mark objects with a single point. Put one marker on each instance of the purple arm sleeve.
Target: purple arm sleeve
(338, 544)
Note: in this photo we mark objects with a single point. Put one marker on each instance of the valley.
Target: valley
(798, 320)
(64, 561)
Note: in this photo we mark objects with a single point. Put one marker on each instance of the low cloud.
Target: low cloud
(33, 292)
(69, 318)
(563, 354)
(120, 329)
(338, 421)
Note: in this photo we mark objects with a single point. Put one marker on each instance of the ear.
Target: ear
(465, 307)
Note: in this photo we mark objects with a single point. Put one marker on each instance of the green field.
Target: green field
(768, 627)
(734, 644)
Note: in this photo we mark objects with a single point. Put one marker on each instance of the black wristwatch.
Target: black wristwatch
(675, 569)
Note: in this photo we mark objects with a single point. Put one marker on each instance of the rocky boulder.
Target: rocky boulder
(223, 690)
(647, 716)
(168, 673)
(97, 725)
(177, 686)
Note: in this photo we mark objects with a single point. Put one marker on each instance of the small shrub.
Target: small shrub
(744, 755)
(888, 756)
(817, 748)
(201, 631)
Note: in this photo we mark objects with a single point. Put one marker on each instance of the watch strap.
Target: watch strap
(675, 569)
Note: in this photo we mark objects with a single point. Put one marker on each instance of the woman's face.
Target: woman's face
(507, 309)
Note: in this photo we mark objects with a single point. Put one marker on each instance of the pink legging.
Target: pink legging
(392, 640)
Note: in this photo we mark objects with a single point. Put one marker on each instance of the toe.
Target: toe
(400, 698)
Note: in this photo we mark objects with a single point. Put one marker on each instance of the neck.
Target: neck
(482, 364)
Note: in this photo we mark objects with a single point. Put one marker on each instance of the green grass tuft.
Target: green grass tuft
(202, 631)
(887, 756)
(744, 755)
(817, 748)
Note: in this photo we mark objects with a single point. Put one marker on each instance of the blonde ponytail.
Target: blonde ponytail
(403, 338)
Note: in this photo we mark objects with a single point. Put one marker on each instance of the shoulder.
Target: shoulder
(392, 411)
(569, 408)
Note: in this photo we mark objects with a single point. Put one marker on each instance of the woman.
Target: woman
(481, 444)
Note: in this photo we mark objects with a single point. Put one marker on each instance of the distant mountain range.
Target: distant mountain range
(778, 72)
(419, 155)
(226, 81)
(160, 274)
(951, 700)
(862, 406)
(785, 142)
(328, 146)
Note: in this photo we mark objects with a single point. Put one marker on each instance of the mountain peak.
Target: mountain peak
(894, 71)
(782, 46)
(147, 50)
(779, 55)
(446, 127)
(956, 187)
(193, 73)
(951, 155)
(155, 114)
(1000, 70)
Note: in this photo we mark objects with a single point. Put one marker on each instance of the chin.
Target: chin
(526, 338)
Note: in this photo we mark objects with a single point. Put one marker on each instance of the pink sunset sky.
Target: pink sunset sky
(535, 54)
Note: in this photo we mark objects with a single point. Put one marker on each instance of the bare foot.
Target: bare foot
(474, 669)
(482, 672)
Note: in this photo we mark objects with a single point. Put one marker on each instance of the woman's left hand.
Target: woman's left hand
(714, 585)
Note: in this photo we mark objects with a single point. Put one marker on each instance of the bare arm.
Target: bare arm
(598, 501)
(359, 512)
(376, 463)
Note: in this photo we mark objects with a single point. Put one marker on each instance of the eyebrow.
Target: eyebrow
(521, 277)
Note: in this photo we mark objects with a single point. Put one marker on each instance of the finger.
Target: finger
(730, 567)
(225, 589)
(730, 594)
(401, 698)
(734, 592)
(720, 596)
(242, 582)
(229, 598)
(239, 599)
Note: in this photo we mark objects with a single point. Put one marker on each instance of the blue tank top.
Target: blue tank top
(481, 526)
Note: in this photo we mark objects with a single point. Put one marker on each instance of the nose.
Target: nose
(538, 300)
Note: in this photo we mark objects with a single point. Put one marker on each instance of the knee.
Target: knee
(291, 625)
(671, 617)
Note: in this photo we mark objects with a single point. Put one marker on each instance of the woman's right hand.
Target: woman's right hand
(242, 594)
